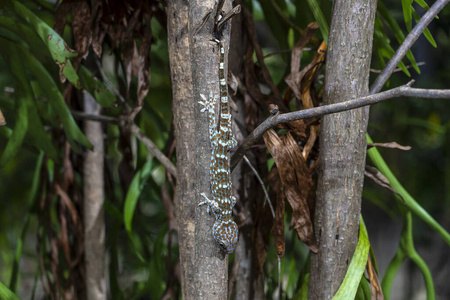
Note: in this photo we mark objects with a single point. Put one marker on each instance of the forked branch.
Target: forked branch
(274, 120)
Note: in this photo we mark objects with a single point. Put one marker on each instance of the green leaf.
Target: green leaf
(274, 11)
(37, 135)
(134, 191)
(422, 3)
(6, 294)
(58, 48)
(388, 52)
(409, 201)
(96, 88)
(73, 132)
(318, 15)
(426, 31)
(302, 293)
(21, 124)
(30, 202)
(398, 33)
(407, 13)
(355, 271)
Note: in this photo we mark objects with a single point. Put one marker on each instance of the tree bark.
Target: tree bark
(183, 104)
(93, 214)
(342, 145)
(194, 71)
(211, 264)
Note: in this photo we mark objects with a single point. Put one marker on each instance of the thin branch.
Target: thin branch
(422, 63)
(274, 120)
(229, 15)
(262, 185)
(79, 115)
(406, 45)
(154, 149)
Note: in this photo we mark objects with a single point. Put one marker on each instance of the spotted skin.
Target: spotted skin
(225, 230)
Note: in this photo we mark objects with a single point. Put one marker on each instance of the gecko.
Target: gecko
(225, 230)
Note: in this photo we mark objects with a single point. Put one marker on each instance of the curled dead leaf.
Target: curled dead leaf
(375, 287)
(392, 145)
(380, 179)
(298, 184)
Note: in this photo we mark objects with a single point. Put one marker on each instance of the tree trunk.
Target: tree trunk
(93, 215)
(194, 71)
(211, 264)
(183, 104)
(342, 145)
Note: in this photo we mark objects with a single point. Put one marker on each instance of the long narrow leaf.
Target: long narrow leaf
(409, 201)
(20, 241)
(407, 13)
(54, 42)
(352, 278)
(96, 88)
(398, 33)
(56, 100)
(134, 191)
(6, 294)
(426, 31)
(36, 134)
(21, 125)
(318, 15)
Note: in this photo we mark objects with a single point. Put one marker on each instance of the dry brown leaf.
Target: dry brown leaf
(278, 223)
(297, 127)
(295, 176)
(143, 72)
(81, 24)
(98, 28)
(380, 179)
(61, 16)
(294, 78)
(311, 70)
(392, 145)
(375, 288)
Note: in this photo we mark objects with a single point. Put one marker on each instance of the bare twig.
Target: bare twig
(422, 63)
(100, 118)
(262, 185)
(284, 51)
(229, 15)
(274, 120)
(406, 45)
(154, 149)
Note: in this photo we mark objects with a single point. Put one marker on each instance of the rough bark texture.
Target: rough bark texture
(183, 104)
(211, 264)
(93, 214)
(243, 254)
(194, 70)
(342, 145)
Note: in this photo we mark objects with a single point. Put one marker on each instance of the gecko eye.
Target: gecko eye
(222, 245)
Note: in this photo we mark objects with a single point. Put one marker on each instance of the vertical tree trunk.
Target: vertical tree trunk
(211, 274)
(342, 145)
(93, 215)
(183, 104)
(194, 70)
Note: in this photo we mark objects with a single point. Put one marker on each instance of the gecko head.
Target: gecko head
(225, 232)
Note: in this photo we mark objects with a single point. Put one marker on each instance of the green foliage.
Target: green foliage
(355, 271)
(6, 294)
